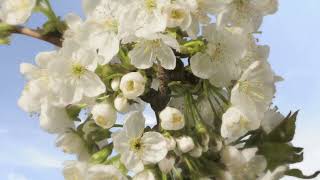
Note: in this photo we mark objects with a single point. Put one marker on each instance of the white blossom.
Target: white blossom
(171, 119)
(236, 122)
(104, 115)
(135, 146)
(247, 14)
(73, 74)
(132, 85)
(255, 89)
(157, 48)
(15, 12)
(219, 62)
(178, 15)
(185, 144)
(245, 164)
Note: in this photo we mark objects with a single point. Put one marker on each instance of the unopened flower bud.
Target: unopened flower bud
(171, 119)
(185, 144)
(121, 104)
(166, 164)
(196, 152)
(115, 83)
(104, 115)
(132, 85)
(171, 143)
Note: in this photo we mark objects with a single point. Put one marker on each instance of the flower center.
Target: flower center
(252, 89)
(130, 85)
(243, 122)
(177, 14)
(135, 144)
(150, 4)
(111, 25)
(78, 70)
(100, 120)
(217, 52)
(176, 118)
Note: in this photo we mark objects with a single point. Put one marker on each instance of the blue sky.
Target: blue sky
(28, 153)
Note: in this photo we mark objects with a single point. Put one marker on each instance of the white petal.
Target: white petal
(89, 6)
(73, 21)
(92, 85)
(132, 161)
(201, 65)
(166, 57)
(142, 56)
(154, 147)
(134, 124)
(54, 119)
(120, 141)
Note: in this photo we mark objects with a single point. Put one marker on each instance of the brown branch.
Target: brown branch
(57, 41)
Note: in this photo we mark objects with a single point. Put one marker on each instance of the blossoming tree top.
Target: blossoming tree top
(197, 63)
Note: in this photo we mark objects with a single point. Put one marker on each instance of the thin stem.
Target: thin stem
(57, 41)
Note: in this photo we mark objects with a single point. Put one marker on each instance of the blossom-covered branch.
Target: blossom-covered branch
(207, 80)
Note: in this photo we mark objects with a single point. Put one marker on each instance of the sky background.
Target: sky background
(28, 153)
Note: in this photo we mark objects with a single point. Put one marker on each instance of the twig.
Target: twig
(57, 41)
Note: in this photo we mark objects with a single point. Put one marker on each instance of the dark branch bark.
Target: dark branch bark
(57, 41)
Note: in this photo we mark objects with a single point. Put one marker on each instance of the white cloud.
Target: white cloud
(16, 176)
(31, 157)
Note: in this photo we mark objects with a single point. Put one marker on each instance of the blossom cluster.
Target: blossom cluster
(219, 121)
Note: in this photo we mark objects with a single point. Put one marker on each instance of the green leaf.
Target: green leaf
(298, 173)
(280, 153)
(73, 111)
(285, 131)
(54, 26)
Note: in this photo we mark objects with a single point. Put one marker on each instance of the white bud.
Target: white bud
(121, 104)
(171, 143)
(185, 144)
(171, 119)
(196, 152)
(115, 83)
(132, 85)
(104, 115)
(166, 164)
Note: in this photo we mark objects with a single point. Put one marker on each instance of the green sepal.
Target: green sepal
(102, 155)
(285, 131)
(278, 154)
(298, 173)
(53, 26)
